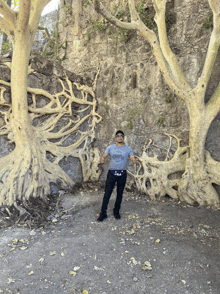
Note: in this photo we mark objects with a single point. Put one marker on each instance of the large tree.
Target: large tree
(199, 171)
(39, 131)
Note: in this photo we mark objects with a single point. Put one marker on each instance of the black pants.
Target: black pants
(109, 186)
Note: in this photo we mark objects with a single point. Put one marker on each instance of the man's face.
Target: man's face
(119, 138)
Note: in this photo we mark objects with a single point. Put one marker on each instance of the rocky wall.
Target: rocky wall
(132, 93)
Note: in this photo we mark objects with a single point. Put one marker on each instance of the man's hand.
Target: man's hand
(132, 158)
(102, 160)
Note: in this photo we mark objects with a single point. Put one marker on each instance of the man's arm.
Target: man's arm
(102, 160)
(132, 158)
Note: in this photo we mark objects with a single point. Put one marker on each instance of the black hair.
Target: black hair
(119, 132)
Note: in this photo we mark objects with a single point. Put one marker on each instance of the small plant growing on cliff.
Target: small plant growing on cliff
(208, 23)
(149, 89)
(53, 46)
(132, 114)
(115, 90)
(86, 3)
(161, 122)
(6, 46)
(98, 25)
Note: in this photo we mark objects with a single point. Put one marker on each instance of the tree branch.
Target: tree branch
(120, 24)
(7, 12)
(184, 92)
(213, 105)
(160, 19)
(23, 14)
(37, 7)
(134, 15)
(7, 28)
(212, 50)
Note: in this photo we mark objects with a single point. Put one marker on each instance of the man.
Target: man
(119, 154)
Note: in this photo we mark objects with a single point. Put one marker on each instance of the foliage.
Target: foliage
(208, 23)
(161, 122)
(132, 114)
(114, 92)
(53, 46)
(85, 3)
(6, 45)
(149, 89)
(98, 25)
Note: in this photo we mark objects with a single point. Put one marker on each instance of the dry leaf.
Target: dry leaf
(157, 241)
(31, 273)
(72, 273)
(147, 266)
(23, 248)
(96, 268)
(15, 240)
(76, 268)
(184, 282)
(109, 282)
(10, 280)
(62, 254)
(135, 262)
(85, 292)
(52, 253)
(29, 266)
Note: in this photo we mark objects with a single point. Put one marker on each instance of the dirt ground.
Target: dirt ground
(156, 247)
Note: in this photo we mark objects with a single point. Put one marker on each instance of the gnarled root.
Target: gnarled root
(152, 176)
(26, 175)
(175, 177)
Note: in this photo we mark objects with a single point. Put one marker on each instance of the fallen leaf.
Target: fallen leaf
(12, 249)
(135, 262)
(31, 273)
(76, 268)
(147, 266)
(29, 266)
(23, 248)
(15, 240)
(184, 282)
(96, 268)
(62, 254)
(52, 253)
(85, 292)
(10, 280)
(41, 260)
(109, 282)
(157, 241)
(72, 273)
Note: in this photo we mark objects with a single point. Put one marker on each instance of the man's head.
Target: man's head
(119, 137)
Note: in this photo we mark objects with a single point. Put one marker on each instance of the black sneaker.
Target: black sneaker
(102, 216)
(116, 214)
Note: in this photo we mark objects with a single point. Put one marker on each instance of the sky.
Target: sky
(52, 5)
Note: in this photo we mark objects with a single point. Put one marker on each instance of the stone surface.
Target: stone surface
(132, 93)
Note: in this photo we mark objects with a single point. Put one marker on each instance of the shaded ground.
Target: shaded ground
(177, 245)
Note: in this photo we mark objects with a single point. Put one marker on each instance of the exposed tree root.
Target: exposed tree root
(173, 177)
(31, 167)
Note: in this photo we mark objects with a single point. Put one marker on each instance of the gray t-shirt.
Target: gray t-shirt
(119, 156)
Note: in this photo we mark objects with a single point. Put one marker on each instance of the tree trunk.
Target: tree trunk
(196, 186)
(26, 171)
